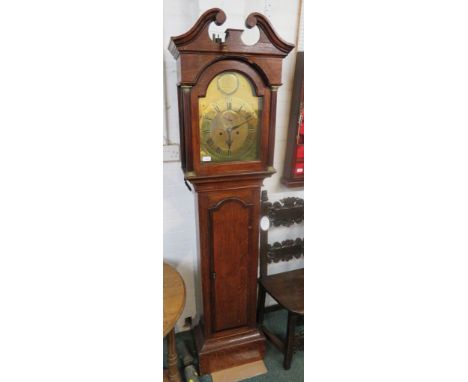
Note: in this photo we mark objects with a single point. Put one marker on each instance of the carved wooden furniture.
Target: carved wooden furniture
(174, 302)
(227, 111)
(286, 288)
(293, 172)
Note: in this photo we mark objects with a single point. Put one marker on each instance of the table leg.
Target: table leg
(173, 371)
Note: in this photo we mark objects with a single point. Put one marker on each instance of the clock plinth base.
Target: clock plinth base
(236, 348)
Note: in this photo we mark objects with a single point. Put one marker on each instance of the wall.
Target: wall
(180, 246)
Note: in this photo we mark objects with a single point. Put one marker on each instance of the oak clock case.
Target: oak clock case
(227, 112)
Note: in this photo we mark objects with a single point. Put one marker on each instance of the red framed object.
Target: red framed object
(293, 173)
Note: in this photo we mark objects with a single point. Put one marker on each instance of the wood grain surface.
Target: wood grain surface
(174, 298)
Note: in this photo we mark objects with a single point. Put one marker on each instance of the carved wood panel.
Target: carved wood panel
(286, 250)
(286, 212)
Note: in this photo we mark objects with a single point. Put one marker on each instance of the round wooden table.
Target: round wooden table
(174, 302)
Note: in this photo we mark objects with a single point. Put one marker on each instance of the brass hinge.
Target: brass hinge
(213, 275)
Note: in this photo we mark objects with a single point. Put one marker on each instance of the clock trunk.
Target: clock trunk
(228, 260)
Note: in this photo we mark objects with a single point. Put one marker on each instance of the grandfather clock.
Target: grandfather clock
(227, 110)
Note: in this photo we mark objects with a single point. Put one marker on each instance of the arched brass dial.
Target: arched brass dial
(229, 120)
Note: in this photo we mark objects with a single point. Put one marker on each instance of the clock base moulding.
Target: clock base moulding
(231, 349)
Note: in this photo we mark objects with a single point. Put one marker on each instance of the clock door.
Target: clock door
(231, 257)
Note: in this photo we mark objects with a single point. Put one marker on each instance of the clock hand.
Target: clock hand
(229, 130)
(229, 141)
(240, 124)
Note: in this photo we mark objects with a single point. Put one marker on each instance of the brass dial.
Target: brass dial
(229, 120)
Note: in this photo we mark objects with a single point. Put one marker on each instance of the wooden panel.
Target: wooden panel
(219, 229)
(230, 223)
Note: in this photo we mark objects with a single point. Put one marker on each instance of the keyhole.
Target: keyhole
(237, 132)
(220, 133)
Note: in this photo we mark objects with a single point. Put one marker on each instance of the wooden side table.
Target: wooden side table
(174, 302)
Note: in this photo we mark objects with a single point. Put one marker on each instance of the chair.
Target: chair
(286, 288)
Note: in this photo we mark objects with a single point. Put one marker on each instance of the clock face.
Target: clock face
(230, 117)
